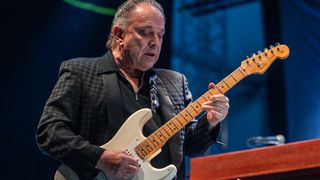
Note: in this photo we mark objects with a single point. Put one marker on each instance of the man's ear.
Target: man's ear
(117, 34)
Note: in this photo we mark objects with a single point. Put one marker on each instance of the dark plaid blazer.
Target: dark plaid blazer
(78, 115)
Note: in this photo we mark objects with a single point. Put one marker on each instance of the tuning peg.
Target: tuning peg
(265, 49)
(253, 59)
(247, 57)
(259, 53)
(277, 44)
(253, 54)
(271, 46)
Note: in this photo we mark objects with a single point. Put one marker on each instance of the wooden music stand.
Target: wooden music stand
(299, 160)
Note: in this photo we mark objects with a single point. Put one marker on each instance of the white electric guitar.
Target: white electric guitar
(129, 137)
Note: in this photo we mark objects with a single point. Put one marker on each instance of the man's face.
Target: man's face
(142, 39)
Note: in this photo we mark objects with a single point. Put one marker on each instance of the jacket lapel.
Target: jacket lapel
(114, 107)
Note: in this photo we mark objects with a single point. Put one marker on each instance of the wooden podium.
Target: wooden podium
(299, 160)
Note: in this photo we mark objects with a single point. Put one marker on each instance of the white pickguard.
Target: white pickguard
(126, 139)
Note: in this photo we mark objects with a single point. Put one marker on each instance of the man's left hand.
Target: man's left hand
(217, 107)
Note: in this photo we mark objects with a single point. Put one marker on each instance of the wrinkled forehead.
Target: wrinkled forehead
(147, 11)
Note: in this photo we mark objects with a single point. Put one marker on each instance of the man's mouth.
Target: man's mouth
(150, 54)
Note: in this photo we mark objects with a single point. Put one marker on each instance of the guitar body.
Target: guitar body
(126, 139)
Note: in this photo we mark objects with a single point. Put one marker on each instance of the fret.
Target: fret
(163, 127)
(222, 86)
(146, 144)
(226, 84)
(176, 125)
(199, 104)
(154, 139)
(200, 101)
(140, 151)
(144, 149)
(192, 112)
(175, 128)
(219, 90)
(193, 108)
(183, 117)
(233, 78)
(159, 137)
(185, 114)
(208, 94)
(203, 97)
(150, 142)
(181, 120)
(240, 74)
(230, 82)
(213, 91)
(189, 113)
(167, 125)
(178, 121)
(242, 71)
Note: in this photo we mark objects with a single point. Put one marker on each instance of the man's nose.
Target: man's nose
(154, 41)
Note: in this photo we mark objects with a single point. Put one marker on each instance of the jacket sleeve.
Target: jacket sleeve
(57, 134)
(198, 136)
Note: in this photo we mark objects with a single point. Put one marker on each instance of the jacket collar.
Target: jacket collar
(107, 64)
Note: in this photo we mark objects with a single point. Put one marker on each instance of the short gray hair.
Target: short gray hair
(123, 13)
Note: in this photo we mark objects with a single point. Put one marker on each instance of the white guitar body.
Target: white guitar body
(126, 139)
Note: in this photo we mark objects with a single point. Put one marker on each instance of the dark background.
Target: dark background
(38, 35)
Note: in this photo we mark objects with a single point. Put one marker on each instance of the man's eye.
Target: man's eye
(143, 32)
(160, 36)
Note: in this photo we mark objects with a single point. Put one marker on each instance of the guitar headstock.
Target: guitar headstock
(258, 64)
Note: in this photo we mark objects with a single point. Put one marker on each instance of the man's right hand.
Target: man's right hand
(118, 163)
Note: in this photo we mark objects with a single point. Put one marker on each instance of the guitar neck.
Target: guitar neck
(158, 138)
